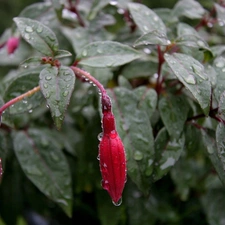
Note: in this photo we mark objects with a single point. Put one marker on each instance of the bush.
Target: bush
(74, 69)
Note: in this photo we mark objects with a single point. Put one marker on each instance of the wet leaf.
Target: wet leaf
(213, 151)
(168, 152)
(37, 35)
(146, 19)
(25, 81)
(57, 85)
(135, 130)
(62, 54)
(219, 66)
(220, 12)
(45, 165)
(152, 38)
(174, 111)
(191, 73)
(107, 54)
(188, 8)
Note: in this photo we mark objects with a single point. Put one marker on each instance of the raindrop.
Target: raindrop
(145, 28)
(98, 157)
(147, 51)
(121, 11)
(168, 42)
(25, 101)
(99, 51)
(45, 86)
(27, 36)
(47, 95)
(29, 29)
(100, 136)
(200, 43)
(138, 155)
(117, 203)
(39, 29)
(113, 2)
(155, 18)
(48, 77)
(210, 150)
(190, 79)
(65, 93)
(30, 111)
(210, 25)
(84, 53)
(220, 64)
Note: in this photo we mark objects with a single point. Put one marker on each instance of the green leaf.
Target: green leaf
(221, 108)
(37, 35)
(220, 13)
(174, 111)
(25, 81)
(57, 85)
(152, 38)
(191, 73)
(213, 151)
(213, 202)
(135, 130)
(219, 66)
(147, 99)
(107, 54)
(168, 152)
(32, 61)
(188, 8)
(45, 165)
(35, 10)
(146, 19)
(138, 69)
(62, 54)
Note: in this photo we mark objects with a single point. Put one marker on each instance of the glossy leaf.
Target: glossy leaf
(107, 54)
(25, 81)
(37, 35)
(219, 66)
(57, 86)
(220, 11)
(152, 38)
(188, 8)
(146, 19)
(191, 73)
(214, 154)
(136, 132)
(168, 152)
(174, 111)
(45, 165)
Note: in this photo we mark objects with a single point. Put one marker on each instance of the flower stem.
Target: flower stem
(19, 98)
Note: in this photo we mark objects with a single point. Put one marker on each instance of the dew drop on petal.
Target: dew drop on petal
(117, 203)
(100, 136)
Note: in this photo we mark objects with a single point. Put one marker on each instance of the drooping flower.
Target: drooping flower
(112, 156)
(12, 44)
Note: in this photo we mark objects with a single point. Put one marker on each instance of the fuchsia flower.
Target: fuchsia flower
(111, 155)
(12, 44)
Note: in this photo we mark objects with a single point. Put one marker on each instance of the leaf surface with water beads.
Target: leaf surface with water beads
(57, 85)
(146, 19)
(38, 35)
(136, 132)
(45, 165)
(107, 54)
(173, 111)
(191, 73)
(168, 152)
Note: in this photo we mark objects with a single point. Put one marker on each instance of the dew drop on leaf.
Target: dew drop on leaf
(27, 36)
(138, 155)
(39, 29)
(65, 93)
(113, 2)
(48, 77)
(29, 29)
(190, 79)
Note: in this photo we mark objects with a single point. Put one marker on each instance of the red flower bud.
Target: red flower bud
(12, 44)
(112, 159)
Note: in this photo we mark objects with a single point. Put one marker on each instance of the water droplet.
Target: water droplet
(45, 85)
(47, 95)
(99, 51)
(98, 157)
(30, 111)
(113, 2)
(29, 29)
(121, 11)
(25, 101)
(190, 79)
(220, 64)
(117, 203)
(27, 36)
(210, 150)
(155, 18)
(105, 184)
(138, 155)
(48, 77)
(65, 93)
(84, 53)
(100, 136)
(39, 29)
(145, 28)
(147, 51)
(200, 43)
(169, 162)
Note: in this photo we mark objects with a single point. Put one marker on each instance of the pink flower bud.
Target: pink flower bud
(112, 159)
(12, 44)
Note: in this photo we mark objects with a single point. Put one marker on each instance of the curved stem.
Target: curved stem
(83, 74)
(19, 98)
